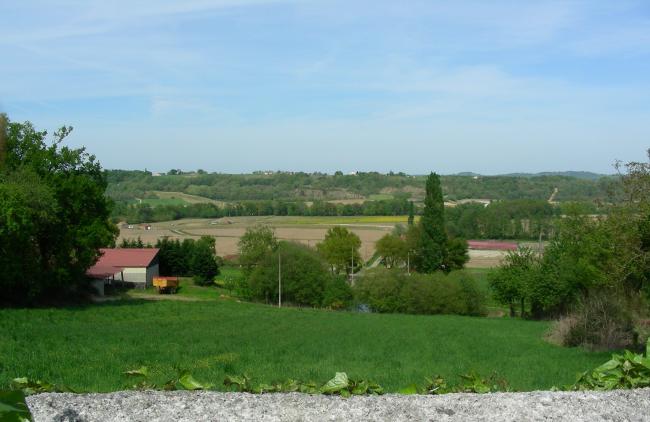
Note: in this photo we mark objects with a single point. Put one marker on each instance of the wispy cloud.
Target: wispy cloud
(282, 72)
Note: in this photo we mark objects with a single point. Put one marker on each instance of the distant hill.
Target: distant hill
(127, 186)
(583, 175)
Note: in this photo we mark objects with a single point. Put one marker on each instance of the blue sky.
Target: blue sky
(415, 86)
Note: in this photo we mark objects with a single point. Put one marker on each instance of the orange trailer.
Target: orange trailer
(166, 284)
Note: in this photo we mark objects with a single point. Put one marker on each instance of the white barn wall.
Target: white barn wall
(140, 275)
(135, 275)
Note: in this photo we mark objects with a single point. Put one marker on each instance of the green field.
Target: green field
(380, 197)
(87, 348)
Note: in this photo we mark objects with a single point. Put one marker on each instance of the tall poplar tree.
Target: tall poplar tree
(432, 244)
(411, 219)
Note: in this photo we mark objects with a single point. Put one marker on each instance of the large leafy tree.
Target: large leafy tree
(255, 245)
(54, 216)
(432, 244)
(339, 248)
(511, 282)
(392, 249)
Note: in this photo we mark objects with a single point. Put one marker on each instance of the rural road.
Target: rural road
(621, 405)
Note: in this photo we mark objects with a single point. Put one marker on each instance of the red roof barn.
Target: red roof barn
(138, 266)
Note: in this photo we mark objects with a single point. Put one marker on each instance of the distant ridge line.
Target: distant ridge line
(587, 175)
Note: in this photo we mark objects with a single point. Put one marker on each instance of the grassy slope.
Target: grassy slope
(87, 348)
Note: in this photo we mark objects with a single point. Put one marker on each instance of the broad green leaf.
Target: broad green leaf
(13, 406)
(608, 366)
(188, 382)
(336, 384)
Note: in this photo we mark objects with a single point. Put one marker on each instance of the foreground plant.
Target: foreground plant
(624, 371)
(30, 386)
(341, 385)
(13, 407)
(627, 370)
(472, 383)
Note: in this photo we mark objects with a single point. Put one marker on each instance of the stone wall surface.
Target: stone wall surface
(620, 405)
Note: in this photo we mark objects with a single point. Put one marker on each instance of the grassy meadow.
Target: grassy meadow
(88, 348)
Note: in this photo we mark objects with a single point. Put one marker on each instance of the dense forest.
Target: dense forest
(128, 185)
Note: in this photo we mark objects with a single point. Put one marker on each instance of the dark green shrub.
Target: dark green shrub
(395, 291)
(304, 276)
(380, 289)
(337, 294)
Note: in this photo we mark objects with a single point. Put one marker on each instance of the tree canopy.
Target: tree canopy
(54, 216)
(255, 245)
(305, 278)
(340, 248)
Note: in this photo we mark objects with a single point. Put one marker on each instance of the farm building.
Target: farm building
(137, 266)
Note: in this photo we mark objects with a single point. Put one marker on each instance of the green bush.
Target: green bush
(304, 276)
(395, 291)
(337, 294)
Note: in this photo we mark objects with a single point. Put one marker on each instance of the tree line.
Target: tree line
(141, 213)
(299, 186)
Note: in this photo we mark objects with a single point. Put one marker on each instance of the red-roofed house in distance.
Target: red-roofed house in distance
(137, 266)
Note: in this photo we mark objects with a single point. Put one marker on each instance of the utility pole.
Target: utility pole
(408, 262)
(279, 280)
